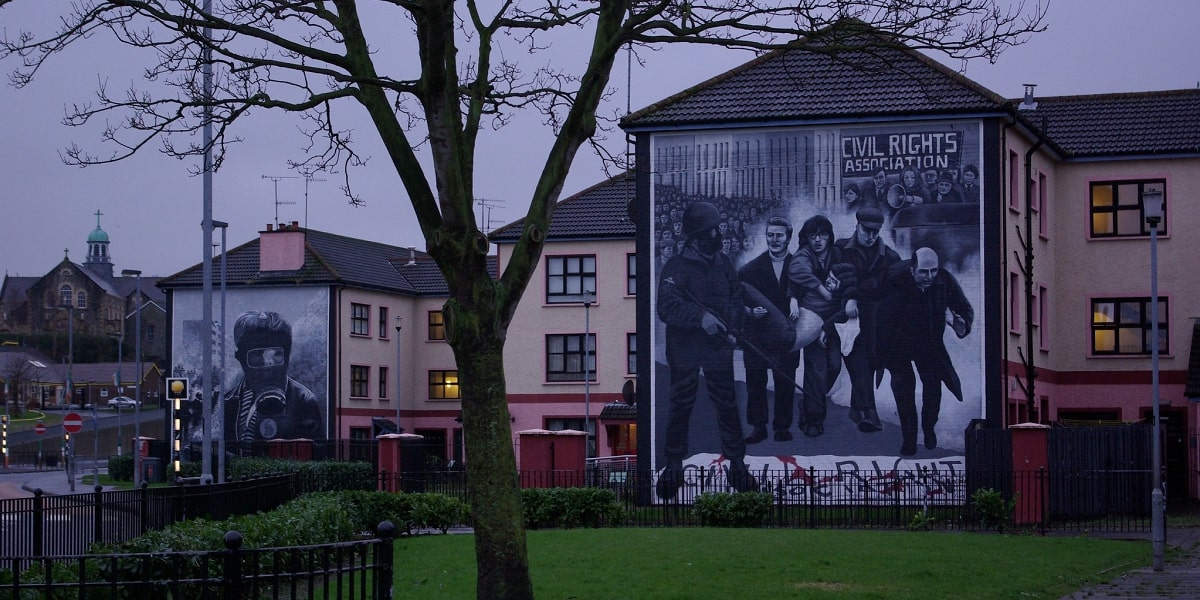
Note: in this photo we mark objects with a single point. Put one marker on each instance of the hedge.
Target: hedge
(570, 507)
(743, 509)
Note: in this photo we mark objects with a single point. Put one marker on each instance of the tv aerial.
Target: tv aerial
(276, 179)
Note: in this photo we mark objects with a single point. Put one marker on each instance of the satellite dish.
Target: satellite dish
(629, 392)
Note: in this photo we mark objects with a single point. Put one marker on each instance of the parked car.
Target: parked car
(122, 402)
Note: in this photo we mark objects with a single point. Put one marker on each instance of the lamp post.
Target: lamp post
(1152, 210)
(589, 298)
(117, 380)
(70, 387)
(220, 407)
(137, 379)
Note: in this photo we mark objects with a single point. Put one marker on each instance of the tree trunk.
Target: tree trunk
(494, 493)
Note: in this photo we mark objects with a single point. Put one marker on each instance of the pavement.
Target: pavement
(1180, 577)
(21, 484)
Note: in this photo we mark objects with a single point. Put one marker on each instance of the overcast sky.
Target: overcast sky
(152, 207)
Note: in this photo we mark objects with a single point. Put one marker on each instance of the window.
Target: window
(1043, 218)
(630, 274)
(443, 385)
(570, 278)
(1014, 170)
(81, 300)
(383, 374)
(1116, 208)
(383, 323)
(359, 375)
(1044, 327)
(64, 295)
(437, 325)
(1122, 326)
(565, 357)
(631, 353)
(360, 319)
(360, 433)
(577, 424)
(1014, 303)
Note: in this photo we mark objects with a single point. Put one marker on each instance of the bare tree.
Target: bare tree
(471, 73)
(16, 372)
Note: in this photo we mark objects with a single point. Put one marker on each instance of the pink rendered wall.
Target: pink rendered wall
(280, 250)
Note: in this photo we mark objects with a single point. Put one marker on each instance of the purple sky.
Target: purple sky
(152, 208)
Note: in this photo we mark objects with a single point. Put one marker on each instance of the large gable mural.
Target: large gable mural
(817, 300)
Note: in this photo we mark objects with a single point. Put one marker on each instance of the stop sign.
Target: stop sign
(73, 423)
(40, 428)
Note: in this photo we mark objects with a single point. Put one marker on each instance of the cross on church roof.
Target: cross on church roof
(98, 214)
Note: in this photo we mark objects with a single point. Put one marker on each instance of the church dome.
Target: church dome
(97, 235)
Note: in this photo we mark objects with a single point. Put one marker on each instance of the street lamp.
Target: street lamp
(589, 298)
(221, 382)
(1152, 210)
(137, 393)
(70, 383)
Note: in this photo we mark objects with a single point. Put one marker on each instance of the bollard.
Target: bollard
(232, 575)
(383, 560)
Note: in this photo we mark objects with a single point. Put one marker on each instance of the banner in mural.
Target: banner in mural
(276, 364)
(817, 300)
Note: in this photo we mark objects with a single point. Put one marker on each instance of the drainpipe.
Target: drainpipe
(1027, 268)
(1004, 201)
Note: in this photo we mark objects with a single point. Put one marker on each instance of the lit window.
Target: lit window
(437, 325)
(1122, 326)
(443, 385)
(1116, 208)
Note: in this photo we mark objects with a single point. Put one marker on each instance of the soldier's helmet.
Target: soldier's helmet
(700, 217)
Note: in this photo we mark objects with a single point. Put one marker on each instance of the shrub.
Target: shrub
(120, 468)
(436, 511)
(313, 476)
(569, 507)
(742, 509)
(992, 510)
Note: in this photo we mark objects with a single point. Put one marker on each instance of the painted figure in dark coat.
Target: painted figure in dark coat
(875, 194)
(266, 403)
(945, 190)
(915, 305)
(767, 273)
(700, 300)
(871, 259)
(970, 183)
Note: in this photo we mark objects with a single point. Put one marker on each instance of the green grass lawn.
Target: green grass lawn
(666, 564)
(30, 418)
(107, 481)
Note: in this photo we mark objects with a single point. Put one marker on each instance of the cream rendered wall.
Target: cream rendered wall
(1045, 263)
(372, 351)
(1089, 268)
(424, 355)
(531, 397)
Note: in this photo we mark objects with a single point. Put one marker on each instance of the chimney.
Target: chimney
(1028, 103)
(281, 249)
(270, 227)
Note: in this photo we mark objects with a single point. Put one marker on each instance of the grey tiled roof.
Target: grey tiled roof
(331, 258)
(14, 288)
(803, 84)
(618, 410)
(102, 373)
(599, 211)
(1161, 122)
(126, 285)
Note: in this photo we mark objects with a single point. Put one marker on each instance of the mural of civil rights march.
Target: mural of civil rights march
(817, 300)
(276, 363)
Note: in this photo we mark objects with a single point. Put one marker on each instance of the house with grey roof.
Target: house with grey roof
(938, 167)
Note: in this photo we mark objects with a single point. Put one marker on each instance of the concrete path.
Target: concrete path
(1180, 577)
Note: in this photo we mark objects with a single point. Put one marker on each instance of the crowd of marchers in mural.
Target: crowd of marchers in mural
(796, 303)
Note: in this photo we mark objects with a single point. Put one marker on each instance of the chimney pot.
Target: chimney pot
(270, 227)
(295, 225)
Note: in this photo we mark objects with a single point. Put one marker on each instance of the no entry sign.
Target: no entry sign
(40, 428)
(73, 423)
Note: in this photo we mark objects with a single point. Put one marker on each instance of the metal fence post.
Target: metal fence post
(383, 560)
(98, 515)
(144, 505)
(1044, 498)
(39, 522)
(231, 575)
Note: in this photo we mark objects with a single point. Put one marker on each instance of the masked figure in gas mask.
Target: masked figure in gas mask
(267, 404)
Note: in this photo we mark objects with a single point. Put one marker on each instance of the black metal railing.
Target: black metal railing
(48, 525)
(361, 569)
(1040, 500)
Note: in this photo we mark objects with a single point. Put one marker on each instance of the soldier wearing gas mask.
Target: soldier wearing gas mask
(267, 404)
